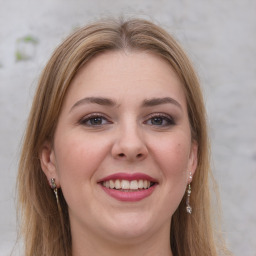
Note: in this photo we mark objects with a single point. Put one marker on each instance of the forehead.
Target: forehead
(122, 74)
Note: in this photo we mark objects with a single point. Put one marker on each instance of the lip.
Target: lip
(131, 196)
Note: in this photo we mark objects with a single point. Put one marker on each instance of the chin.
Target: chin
(131, 226)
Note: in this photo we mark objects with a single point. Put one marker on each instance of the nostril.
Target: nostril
(139, 155)
(121, 155)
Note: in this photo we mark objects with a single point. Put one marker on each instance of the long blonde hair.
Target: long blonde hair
(45, 228)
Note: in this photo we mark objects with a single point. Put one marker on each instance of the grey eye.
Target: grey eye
(94, 121)
(160, 121)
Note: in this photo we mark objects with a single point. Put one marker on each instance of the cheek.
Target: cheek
(173, 157)
(78, 157)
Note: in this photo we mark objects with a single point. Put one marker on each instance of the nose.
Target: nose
(129, 145)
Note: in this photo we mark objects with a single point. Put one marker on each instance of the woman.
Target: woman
(115, 158)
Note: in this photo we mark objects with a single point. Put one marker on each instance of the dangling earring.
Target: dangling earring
(55, 189)
(188, 206)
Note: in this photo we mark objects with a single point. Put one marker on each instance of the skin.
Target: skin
(125, 137)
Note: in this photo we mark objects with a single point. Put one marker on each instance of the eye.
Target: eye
(94, 120)
(160, 120)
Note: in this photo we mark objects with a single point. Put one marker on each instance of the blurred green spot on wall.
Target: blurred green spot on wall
(26, 48)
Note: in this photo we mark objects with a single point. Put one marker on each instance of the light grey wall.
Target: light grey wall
(219, 36)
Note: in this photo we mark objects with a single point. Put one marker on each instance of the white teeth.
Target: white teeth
(141, 185)
(111, 184)
(107, 184)
(126, 184)
(134, 184)
(117, 184)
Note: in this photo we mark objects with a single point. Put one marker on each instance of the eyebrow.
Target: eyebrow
(159, 101)
(111, 103)
(96, 100)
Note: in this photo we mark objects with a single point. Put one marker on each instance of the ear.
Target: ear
(192, 163)
(48, 162)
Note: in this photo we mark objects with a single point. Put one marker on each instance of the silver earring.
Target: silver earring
(188, 206)
(55, 189)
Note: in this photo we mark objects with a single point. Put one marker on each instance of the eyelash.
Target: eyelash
(90, 117)
(163, 117)
(167, 118)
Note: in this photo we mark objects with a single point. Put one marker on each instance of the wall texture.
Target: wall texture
(220, 38)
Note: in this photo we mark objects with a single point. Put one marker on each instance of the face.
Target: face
(122, 147)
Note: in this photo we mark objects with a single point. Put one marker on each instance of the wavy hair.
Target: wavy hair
(45, 227)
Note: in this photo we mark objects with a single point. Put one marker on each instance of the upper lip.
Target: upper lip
(128, 176)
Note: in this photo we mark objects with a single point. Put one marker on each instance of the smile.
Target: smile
(128, 187)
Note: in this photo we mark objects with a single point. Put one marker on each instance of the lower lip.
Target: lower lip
(132, 196)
